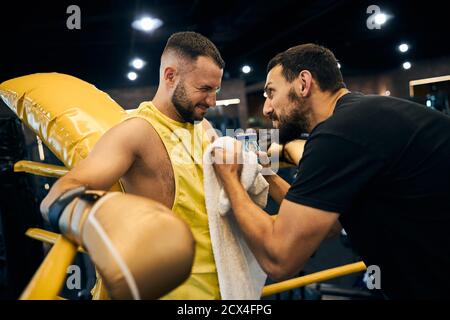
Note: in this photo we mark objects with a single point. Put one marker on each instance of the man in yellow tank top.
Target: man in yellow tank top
(156, 152)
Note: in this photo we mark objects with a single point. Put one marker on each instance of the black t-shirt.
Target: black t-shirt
(383, 164)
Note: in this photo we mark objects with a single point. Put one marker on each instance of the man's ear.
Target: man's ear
(170, 76)
(305, 83)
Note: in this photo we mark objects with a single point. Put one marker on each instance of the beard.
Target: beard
(297, 121)
(184, 106)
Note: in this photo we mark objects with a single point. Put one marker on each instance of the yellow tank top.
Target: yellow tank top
(185, 144)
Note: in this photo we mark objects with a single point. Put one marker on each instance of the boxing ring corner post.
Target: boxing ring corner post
(48, 280)
(99, 292)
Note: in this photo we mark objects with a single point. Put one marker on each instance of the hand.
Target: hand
(263, 159)
(228, 163)
(291, 152)
(266, 163)
(275, 150)
(44, 207)
(52, 207)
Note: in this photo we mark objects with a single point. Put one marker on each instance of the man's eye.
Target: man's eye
(207, 89)
(268, 93)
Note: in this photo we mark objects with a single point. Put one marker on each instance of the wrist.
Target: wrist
(229, 177)
(230, 182)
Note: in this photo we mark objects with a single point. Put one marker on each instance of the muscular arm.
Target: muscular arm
(278, 187)
(111, 157)
(281, 246)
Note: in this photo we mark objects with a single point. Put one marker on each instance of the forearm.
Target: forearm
(59, 187)
(255, 224)
(335, 230)
(278, 187)
(293, 151)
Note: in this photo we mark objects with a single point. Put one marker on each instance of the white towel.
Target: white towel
(240, 275)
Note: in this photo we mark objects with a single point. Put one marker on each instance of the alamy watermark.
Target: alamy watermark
(74, 20)
(73, 277)
(371, 21)
(373, 277)
(189, 147)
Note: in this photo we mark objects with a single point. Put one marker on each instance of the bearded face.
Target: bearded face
(183, 104)
(293, 119)
(187, 108)
(196, 89)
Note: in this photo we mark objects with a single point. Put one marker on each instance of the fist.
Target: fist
(228, 163)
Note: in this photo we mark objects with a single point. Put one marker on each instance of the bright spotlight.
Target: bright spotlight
(246, 69)
(132, 75)
(380, 18)
(403, 47)
(138, 63)
(407, 65)
(339, 65)
(146, 24)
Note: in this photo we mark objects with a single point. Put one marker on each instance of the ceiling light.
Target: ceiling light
(132, 75)
(227, 102)
(407, 65)
(138, 63)
(146, 24)
(403, 47)
(380, 18)
(246, 69)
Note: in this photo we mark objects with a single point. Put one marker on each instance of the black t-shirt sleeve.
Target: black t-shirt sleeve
(332, 173)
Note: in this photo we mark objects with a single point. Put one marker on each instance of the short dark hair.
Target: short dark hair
(318, 60)
(193, 45)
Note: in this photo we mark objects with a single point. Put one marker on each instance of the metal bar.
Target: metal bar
(413, 83)
(46, 236)
(49, 278)
(313, 278)
(40, 169)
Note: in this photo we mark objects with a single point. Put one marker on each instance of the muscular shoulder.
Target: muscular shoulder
(137, 133)
(137, 127)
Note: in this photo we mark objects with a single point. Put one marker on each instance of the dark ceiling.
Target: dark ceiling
(34, 37)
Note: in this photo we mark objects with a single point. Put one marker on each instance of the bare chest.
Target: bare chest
(151, 175)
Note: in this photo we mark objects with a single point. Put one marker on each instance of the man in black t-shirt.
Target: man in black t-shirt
(378, 166)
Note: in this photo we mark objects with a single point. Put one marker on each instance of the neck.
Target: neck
(163, 103)
(324, 104)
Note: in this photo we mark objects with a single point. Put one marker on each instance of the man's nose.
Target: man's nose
(211, 99)
(267, 108)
